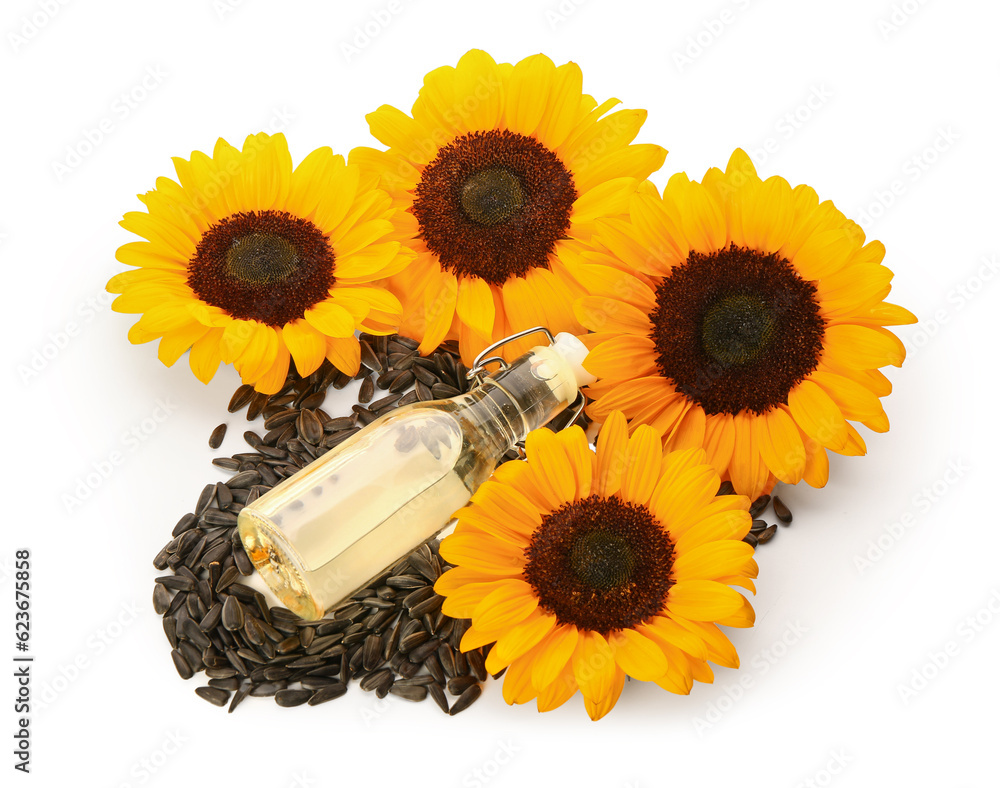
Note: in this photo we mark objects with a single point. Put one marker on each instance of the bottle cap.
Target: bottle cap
(574, 351)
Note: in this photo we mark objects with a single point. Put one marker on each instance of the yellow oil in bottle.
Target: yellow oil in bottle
(320, 535)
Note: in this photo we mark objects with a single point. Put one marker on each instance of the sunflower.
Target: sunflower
(249, 262)
(746, 318)
(583, 568)
(499, 174)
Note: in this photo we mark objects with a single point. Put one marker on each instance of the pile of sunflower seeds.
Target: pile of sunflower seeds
(391, 636)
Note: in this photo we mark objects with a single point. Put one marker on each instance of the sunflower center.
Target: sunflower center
(736, 329)
(267, 266)
(602, 560)
(600, 564)
(492, 196)
(493, 204)
(261, 259)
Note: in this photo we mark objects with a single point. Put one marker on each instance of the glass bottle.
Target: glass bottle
(323, 533)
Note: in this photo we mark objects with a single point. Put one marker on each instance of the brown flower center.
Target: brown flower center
(601, 564)
(268, 266)
(493, 204)
(736, 329)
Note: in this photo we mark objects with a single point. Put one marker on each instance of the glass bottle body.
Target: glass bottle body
(322, 534)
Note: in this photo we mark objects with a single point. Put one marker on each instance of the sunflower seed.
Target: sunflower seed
(240, 398)
(759, 505)
(183, 667)
(214, 695)
(726, 488)
(205, 499)
(380, 679)
(767, 534)
(309, 426)
(161, 598)
(176, 582)
(460, 684)
(436, 691)
(232, 614)
(238, 697)
(329, 692)
(217, 436)
(466, 699)
(409, 692)
(444, 391)
(425, 376)
(367, 390)
(477, 664)
(781, 511)
(369, 357)
(264, 690)
(372, 652)
(242, 480)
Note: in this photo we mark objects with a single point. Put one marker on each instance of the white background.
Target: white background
(853, 96)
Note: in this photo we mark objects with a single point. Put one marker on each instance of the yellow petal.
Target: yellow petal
(205, 357)
(612, 454)
(306, 345)
(483, 554)
(344, 353)
(637, 655)
(330, 319)
(553, 654)
(703, 600)
(509, 603)
(439, 311)
(475, 306)
(642, 465)
(551, 466)
(528, 93)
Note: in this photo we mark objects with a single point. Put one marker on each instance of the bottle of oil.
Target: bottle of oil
(323, 533)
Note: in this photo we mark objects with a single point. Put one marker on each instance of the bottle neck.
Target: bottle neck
(525, 396)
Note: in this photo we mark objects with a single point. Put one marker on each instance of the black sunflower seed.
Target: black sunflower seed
(232, 614)
(217, 436)
(466, 699)
(759, 505)
(781, 511)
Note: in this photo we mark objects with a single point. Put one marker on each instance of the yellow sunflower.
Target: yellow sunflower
(249, 262)
(749, 320)
(583, 568)
(499, 174)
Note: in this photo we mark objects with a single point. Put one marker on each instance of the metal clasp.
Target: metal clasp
(478, 372)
